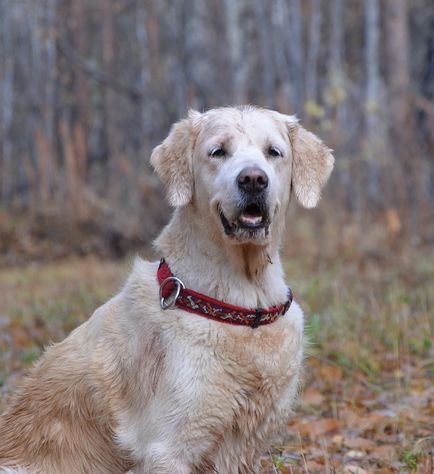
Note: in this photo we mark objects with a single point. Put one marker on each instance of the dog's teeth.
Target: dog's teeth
(252, 220)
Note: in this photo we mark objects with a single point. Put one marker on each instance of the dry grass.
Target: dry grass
(42, 302)
(368, 403)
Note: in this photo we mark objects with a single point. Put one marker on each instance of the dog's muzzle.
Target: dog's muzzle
(251, 214)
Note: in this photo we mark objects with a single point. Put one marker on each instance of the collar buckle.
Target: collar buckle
(258, 315)
(169, 301)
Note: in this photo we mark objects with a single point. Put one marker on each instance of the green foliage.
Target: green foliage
(312, 334)
(30, 355)
(409, 459)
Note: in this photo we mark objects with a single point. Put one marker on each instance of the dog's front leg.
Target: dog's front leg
(161, 459)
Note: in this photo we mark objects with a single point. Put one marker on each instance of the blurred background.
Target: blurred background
(89, 87)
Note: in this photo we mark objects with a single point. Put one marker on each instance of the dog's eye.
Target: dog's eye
(217, 152)
(274, 151)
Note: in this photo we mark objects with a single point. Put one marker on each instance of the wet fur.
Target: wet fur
(151, 391)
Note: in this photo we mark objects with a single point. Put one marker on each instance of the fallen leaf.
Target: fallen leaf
(393, 222)
(375, 421)
(386, 470)
(316, 454)
(338, 440)
(359, 443)
(353, 469)
(384, 452)
(21, 336)
(313, 466)
(313, 397)
(284, 470)
(317, 428)
(330, 373)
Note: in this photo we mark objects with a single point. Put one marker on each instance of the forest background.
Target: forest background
(89, 87)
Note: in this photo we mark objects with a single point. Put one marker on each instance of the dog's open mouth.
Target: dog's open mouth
(252, 217)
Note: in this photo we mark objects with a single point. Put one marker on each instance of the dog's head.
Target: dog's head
(238, 166)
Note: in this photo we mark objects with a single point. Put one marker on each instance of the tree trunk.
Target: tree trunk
(400, 116)
(109, 97)
(336, 87)
(426, 115)
(397, 44)
(179, 17)
(202, 82)
(265, 53)
(234, 38)
(142, 43)
(81, 91)
(372, 100)
(336, 98)
(281, 56)
(7, 90)
(313, 50)
(296, 50)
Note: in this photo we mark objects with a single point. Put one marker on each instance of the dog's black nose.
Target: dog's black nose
(252, 180)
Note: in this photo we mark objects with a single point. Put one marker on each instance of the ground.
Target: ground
(367, 402)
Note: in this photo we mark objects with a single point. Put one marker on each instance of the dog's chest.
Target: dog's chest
(260, 361)
(252, 360)
(238, 380)
(257, 376)
(248, 370)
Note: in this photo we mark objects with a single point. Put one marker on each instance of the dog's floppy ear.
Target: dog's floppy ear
(173, 160)
(311, 166)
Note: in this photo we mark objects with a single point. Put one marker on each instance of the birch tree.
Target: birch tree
(235, 40)
(295, 51)
(400, 117)
(109, 97)
(373, 149)
(7, 91)
(265, 53)
(311, 71)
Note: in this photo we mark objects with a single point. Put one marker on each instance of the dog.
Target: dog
(194, 366)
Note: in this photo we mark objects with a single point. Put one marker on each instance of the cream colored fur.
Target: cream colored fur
(162, 392)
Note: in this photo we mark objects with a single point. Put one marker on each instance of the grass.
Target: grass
(409, 459)
(369, 373)
(368, 316)
(42, 302)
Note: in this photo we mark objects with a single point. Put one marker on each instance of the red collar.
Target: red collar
(173, 293)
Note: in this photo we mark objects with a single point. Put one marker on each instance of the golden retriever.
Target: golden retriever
(153, 390)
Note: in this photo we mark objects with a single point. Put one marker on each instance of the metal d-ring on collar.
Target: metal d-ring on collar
(169, 302)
